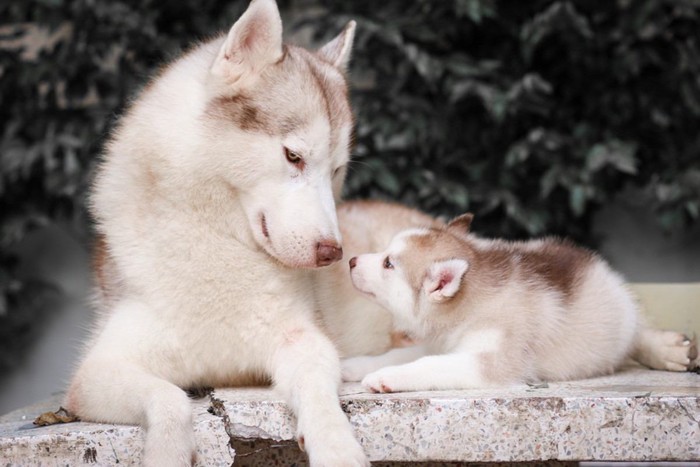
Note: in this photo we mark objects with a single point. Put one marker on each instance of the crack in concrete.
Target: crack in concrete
(249, 442)
(114, 451)
(687, 412)
(218, 409)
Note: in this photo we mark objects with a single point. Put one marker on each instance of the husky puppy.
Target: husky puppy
(357, 325)
(493, 312)
(214, 202)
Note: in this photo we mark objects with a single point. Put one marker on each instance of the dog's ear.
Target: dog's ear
(337, 51)
(253, 42)
(461, 224)
(444, 279)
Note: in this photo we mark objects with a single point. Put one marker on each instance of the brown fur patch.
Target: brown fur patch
(558, 263)
(99, 262)
(401, 339)
(269, 105)
(73, 396)
(240, 110)
(435, 245)
(104, 271)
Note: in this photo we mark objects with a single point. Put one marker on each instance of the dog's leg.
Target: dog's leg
(306, 369)
(356, 368)
(451, 371)
(111, 386)
(665, 350)
(113, 391)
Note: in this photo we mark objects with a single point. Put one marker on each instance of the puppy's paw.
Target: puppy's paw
(677, 351)
(390, 379)
(356, 368)
(375, 382)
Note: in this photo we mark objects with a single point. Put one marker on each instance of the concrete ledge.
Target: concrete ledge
(637, 415)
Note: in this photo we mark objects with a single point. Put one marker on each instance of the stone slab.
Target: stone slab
(636, 415)
(81, 443)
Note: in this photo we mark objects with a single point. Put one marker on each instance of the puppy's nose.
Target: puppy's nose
(353, 262)
(327, 252)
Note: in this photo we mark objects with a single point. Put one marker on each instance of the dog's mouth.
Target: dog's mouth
(268, 245)
(263, 226)
(292, 249)
(365, 292)
(359, 289)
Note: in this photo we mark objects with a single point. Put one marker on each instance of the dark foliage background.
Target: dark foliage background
(530, 114)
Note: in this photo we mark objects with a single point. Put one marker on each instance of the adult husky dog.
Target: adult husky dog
(215, 199)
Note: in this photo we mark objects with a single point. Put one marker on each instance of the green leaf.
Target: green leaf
(456, 194)
(577, 200)
(560, 17)
(668, 192)
(615, 153)
(517, 154)
(549, 181)
(475, 10)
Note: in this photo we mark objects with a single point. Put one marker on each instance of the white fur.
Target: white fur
(433, 372)
(253, 42)
(337, 51)
(203, 296)
(386, 286)
(354, 369)
(665, 350)
(483, 341)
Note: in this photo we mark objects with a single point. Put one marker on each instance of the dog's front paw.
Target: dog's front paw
(339, 448)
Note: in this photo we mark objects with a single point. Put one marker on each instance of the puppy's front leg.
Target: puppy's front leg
(306, 369)
(356, 368)
(451, 371)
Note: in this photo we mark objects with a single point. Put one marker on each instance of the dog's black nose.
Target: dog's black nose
(353, 262)
(328, 252)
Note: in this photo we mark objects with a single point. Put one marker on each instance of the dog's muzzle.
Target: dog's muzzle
(328, 252)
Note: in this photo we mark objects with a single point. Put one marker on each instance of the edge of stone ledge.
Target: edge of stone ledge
(638, 415)
(635, 415)
(85, 443)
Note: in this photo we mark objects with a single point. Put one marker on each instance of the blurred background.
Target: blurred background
(575, 118)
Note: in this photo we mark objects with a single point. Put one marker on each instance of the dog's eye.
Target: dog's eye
(388, 264)
(293, 157)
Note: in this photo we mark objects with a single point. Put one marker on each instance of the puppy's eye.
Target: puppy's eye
(388, 264)
(293, 157)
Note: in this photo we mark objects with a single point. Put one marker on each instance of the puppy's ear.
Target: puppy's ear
(337, 51)
(253, 42)
(444, 279)
(461, 224)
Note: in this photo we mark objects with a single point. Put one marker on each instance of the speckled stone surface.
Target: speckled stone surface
(23, 444)
(637, 415)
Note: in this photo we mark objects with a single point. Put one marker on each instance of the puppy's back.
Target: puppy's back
(588, 317)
